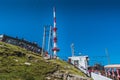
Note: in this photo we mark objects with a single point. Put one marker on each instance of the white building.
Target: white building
(80, 62)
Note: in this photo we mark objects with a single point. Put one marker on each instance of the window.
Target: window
(1, 37)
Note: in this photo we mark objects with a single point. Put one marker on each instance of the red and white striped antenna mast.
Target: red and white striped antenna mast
(55, 49)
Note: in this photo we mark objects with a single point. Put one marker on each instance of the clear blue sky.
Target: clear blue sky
(92, 25)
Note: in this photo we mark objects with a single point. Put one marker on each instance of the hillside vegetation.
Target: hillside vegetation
(19, 64)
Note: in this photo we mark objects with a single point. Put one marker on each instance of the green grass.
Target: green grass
(64, 66)
(12, 67)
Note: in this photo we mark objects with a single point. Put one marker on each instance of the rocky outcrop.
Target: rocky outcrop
(59, 75)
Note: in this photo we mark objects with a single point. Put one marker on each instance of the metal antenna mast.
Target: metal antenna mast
(72, 49)
(47, 36)
(55, 48)
(108, 57)
(44, 39)
(50, 41)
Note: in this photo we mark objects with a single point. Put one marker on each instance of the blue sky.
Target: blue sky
(92, 25)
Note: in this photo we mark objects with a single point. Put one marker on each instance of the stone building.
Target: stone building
(31, 46)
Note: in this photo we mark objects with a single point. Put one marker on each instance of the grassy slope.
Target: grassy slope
(12, 67)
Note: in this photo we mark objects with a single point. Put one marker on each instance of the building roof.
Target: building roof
(112, 66)
(78, 56)
(22, 40)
